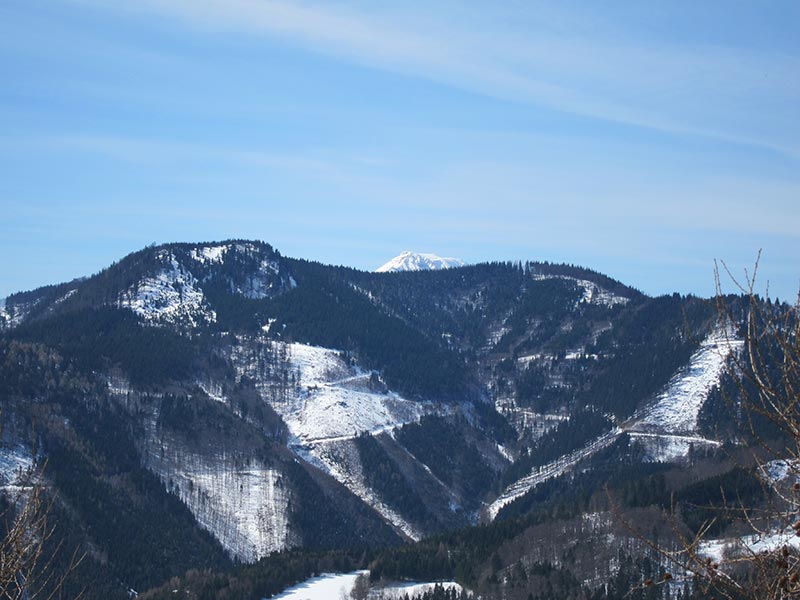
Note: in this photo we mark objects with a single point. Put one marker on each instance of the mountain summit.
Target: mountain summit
(416, 261)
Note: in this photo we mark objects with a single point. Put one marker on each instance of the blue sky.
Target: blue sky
(641, 139)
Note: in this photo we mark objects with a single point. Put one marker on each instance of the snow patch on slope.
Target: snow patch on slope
(261, 282)
(333, 400)
(173, 296)
(15, 463)
(722, 549)
(667, 428)
(5, 318)
(332, 586)
(592, 293)
(326, 401)
(415, 261)
(777, 471)
(14, 314)
(328, 586)
(245, 506)
(677, 408)
(209, 254)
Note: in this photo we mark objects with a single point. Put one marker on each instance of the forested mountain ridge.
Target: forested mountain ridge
(259, 403)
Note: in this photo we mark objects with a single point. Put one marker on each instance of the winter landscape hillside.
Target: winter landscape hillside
(236, 404)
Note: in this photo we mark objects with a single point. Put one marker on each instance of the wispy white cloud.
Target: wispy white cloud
(730, 94)
(149, 151)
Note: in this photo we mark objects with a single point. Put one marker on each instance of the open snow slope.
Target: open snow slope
(675, 410)
(721, 549)
(667, 427)
(592, 293)
(245, 506)
(334, 401)
(335, 586)
(328, 586)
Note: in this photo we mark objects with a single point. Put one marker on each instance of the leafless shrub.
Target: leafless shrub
(763, 561)
(27, 565)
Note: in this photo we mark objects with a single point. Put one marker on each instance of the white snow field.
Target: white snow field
(337, 586)
(676, 409)
(334, 401)
(327, 404)
(719, 550)
(667, 427)
(245, 506)
(328, 586)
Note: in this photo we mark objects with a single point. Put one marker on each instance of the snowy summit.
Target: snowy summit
(415, 261)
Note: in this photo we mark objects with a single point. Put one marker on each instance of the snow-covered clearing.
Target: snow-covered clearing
(667, 427)
(245, 506)
(719, 550)
(328, 586)
(328, 402)
(592, 293)
(333, 405)
(776, 471)
(209, 254)
(335, 586)
(335, 402)
(675, 410)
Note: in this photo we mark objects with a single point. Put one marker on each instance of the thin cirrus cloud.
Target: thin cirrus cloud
(696, 90)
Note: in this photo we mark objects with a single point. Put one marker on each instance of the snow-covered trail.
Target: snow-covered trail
(553, 469)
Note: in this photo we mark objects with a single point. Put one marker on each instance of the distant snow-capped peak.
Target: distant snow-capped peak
(416, 261)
